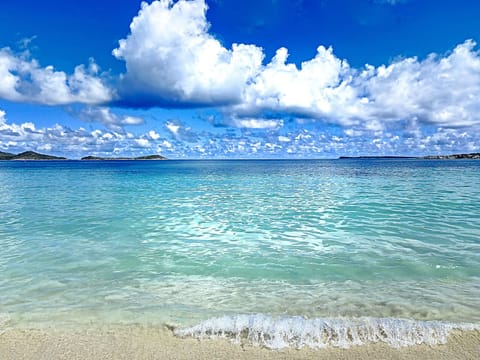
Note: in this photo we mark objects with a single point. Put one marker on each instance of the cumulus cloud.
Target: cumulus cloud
(104, 116)
(152, 134)
(173, 60)
(252, 123)
(181, 132)
(438, 90)
(320, 89)
(23, 80)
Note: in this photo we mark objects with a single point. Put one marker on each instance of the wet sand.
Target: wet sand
(136, 342)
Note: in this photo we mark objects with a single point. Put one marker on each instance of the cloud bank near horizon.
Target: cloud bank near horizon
(179, 140)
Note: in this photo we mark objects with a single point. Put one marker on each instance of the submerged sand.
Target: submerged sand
(138, 342)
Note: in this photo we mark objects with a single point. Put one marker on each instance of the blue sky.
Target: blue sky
(231, 79)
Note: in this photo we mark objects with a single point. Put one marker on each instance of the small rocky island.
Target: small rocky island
(429, 157)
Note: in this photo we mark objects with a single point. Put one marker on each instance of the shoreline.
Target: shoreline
(148, 342)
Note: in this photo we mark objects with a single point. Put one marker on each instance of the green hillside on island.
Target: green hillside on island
(28, 155)
(6, 156)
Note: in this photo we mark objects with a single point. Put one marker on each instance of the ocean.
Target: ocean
(283, 252)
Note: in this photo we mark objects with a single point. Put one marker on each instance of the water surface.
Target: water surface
(184, 241)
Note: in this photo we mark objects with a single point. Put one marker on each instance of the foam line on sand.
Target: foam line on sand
(141, 342)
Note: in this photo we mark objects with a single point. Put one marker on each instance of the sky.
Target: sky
(215, 79)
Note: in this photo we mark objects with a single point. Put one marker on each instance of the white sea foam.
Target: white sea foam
(4, 321)
(297, 332)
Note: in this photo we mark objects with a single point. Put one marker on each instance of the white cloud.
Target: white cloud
(143, 143)
(438, 90)
(352, 132)
(166, 144)
(321, 88)
(104, 116)
(253, 123)
(172, 59)
(180, 131)
(23, 80)
(173, 127)
(62, 140)
(153, 135)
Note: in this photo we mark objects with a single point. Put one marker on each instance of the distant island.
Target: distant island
(148, 157)
(454, 156)
(31, 155)
(429, 157)
(28, 155)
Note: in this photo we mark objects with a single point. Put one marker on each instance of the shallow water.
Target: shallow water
(184, 241)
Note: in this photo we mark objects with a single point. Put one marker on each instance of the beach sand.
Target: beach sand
(138, 342)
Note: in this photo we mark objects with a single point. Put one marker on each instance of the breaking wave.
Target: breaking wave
(298, 332)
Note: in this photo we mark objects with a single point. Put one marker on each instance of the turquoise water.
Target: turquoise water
(181, 242)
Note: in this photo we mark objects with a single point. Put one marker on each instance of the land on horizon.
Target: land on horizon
(31, 155)
(427, 157)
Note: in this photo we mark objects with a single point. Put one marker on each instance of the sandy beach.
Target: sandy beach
(138, 342)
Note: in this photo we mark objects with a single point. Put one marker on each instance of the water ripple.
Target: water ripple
(185, 240)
